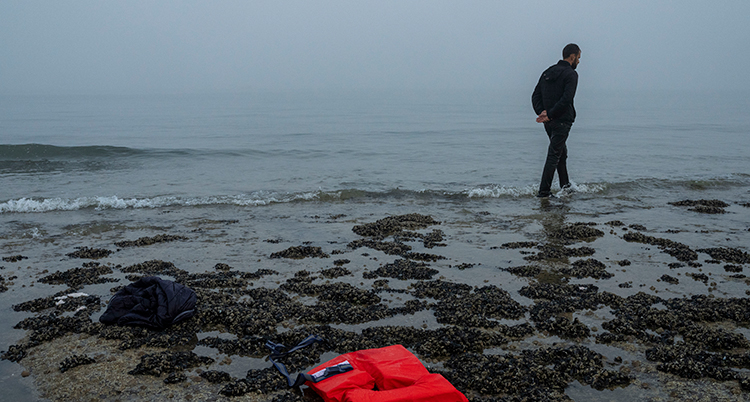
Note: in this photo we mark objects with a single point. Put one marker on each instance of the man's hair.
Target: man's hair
(570, 48)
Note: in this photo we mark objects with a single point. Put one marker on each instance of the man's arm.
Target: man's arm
(536, 98)
(569, 91)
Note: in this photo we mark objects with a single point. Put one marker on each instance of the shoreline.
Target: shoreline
(401, 302)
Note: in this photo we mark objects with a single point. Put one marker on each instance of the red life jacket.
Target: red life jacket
(390, 374)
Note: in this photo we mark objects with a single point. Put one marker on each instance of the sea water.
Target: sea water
(231, 170)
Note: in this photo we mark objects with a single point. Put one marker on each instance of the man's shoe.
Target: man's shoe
(565, 187)
(545, 195)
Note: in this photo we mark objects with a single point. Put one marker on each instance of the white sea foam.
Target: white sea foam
(587, 188)
(259, 198)
(29, 205)
(500, 191)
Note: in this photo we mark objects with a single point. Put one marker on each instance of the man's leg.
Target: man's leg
(562, 168)
(558, 134)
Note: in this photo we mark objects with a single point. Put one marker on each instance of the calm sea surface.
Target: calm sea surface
(72, 152)
(229, 171)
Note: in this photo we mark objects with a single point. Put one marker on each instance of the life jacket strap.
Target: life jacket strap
(277, 352)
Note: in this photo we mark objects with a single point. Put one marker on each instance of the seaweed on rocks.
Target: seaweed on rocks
(335, 272)
(703, 206)
(213, 280)
(392, 225)
(147, 241)
(440, 289)
(46, 328)
(156, 364)
(340, 291)
(14, 258)
(519, 244)
(262, 381)
(678, 250)
(222, 267)
(247, 346)
(551, 291)
(608, 337)
(423, 256)
(394, 248)
(698, 277)
(61, 301)
(708, 203)
(691, 362)
(670, 279)
(478, 309)
(404, 270)
(300, 252)
(177, 336)
(237, 388)
(555, 299)
(578, 231)
(15, 353)
(174, 378)
(343, 312)
(565, 328)
(437, 344)
(732, 268)
(730, 255)
(333, 292)
(258, 313)
(287, 397)
(215, 376)
(551, 252)
(258, 274)
(708, 210)
(75, 361)
(701, 308)
(537, 372)
(587, 268)
(711, 338)
(155, 267)
(433, 239)
(451, 341)
(390, 248)
(90, 253)
(90, 273)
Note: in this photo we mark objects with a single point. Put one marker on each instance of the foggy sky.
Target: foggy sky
(154, 46)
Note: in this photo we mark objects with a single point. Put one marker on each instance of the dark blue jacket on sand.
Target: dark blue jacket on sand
(150, 302)
(555, 92)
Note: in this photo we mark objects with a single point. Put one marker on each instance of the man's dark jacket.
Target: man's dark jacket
(150, 302)
(555, 91)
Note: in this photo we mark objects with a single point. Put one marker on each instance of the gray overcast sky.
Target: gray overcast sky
(153, 46)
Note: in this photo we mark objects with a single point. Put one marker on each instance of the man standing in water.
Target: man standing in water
(553, 103)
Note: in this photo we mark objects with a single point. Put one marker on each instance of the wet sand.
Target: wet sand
(553, 305)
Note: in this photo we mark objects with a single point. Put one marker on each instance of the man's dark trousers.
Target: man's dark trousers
(557, 155)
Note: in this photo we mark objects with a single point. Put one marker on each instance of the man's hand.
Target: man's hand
(542, 118)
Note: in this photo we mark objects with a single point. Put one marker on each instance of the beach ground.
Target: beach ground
(553, 305)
